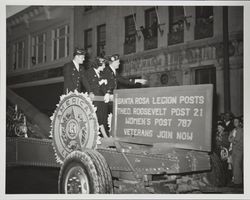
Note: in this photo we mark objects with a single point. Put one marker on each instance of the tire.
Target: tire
(216, 176)
(83, 173)
(103, 171)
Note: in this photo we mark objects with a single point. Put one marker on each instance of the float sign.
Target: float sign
(180, 116)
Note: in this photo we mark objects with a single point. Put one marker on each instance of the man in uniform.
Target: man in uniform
(74, 74)
(114, 79)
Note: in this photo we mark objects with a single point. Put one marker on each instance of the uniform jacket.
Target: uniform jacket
(116, 81)
(74, 79)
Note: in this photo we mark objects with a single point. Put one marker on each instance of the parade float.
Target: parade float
(160, 141)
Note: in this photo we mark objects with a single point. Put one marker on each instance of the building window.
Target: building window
(88, 41)
(18, 56)
(204, 22)
(38, 49)
(176, 25)
(130, 32)
(60, 42)
(101, 40)
(205, 75)
(150, 32)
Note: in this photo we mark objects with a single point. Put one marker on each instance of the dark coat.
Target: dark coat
(93, 81)
(229, 127)
(74, 79)
(222, 140)
(102, 108)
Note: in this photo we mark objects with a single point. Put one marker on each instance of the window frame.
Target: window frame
(210, 70)
(126, 24)
(199, 17)
(171, 18)
(100, 43)
(204, 27)
(152, 41)
(130, 39)
(35, 48)
(175, 36)
(56, 42)
(15, 55)
(147, 16)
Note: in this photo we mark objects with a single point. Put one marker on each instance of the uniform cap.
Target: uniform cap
(78, 51)
(114, 57)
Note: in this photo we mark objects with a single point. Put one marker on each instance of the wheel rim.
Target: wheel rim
(76, 181)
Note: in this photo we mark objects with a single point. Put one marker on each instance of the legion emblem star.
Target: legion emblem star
(79, 140)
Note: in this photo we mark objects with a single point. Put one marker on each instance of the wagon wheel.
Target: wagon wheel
(85, 173)
(216, 176)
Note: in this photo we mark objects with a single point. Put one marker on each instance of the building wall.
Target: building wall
(38, 21)
(181, 60)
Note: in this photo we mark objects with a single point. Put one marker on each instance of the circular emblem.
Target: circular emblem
(74, 125)
(72, 129)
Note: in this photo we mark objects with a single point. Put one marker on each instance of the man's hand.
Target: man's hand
(106, 97)
(141, 81)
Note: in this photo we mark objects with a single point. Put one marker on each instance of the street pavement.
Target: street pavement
(42, 180)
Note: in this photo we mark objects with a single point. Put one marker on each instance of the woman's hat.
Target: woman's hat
(98, 62)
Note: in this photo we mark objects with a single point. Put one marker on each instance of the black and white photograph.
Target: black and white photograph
(124, 99)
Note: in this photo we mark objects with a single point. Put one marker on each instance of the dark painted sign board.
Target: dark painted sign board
(179, 116)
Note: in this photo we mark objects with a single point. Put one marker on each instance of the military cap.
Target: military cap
(79, 51)
(114, 57)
